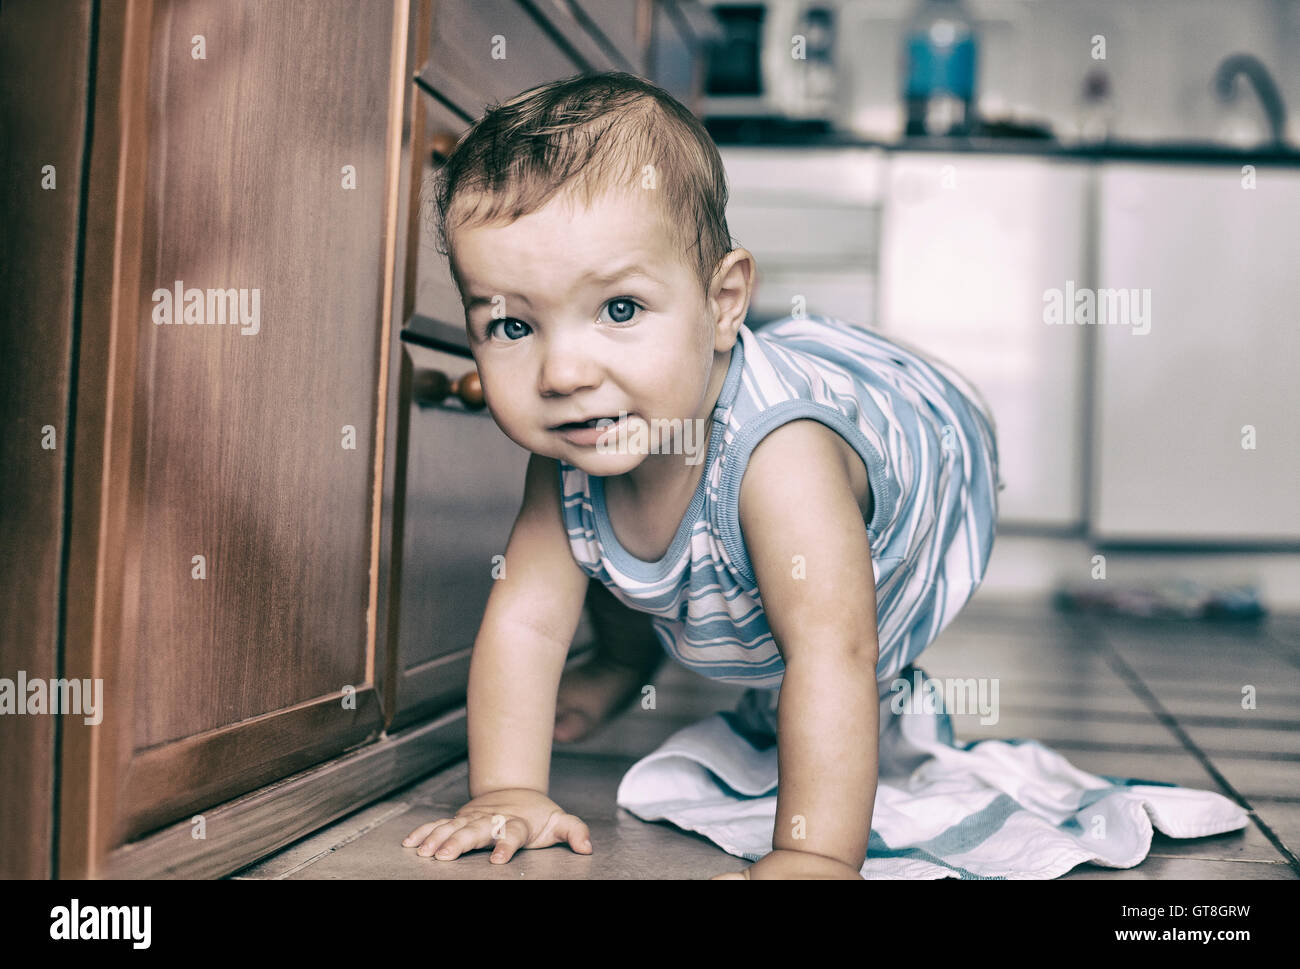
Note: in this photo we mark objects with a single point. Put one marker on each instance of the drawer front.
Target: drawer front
(813, 235)
(486, 51)
(464, 485)
(436, 296)
(615, 25)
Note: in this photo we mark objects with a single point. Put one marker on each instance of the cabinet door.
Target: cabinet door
(970, 245)
(1176, 405)
(222, 575)
(811, 219)
(46, 55)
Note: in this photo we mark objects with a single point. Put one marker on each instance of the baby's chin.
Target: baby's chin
(592, 461)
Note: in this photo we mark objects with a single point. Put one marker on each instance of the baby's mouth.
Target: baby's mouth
(594, 422)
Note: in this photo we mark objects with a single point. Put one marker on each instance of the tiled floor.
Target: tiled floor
(1156, 699)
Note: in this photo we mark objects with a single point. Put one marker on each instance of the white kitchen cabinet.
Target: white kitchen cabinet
(1222, 263)
(969, 246)
(811, 218)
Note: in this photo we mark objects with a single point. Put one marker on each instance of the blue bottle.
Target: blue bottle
(939, 60)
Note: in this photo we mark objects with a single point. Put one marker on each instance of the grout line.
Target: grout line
(399, 808)
(1072, 714)
(1135, 683)
(1277, 798)
(1227, 861)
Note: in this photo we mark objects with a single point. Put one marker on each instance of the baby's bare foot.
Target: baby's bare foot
(593, 694)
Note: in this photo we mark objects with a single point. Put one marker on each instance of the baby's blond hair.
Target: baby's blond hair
(592, 133)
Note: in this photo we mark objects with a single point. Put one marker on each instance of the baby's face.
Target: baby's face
(557, 343)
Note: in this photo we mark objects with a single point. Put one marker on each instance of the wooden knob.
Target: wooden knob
(433, 386)
(430, 386)
(469, 388)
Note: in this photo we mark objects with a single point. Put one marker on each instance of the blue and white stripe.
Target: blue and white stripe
(931, 531)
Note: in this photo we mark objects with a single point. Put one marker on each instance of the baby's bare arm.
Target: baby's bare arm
(796, 499)
(519, 654)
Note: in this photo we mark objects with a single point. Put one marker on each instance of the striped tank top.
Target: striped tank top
(928, 442)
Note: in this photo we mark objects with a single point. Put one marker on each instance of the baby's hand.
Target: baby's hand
(514, 818)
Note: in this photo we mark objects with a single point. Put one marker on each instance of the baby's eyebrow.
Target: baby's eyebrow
(620, 272)
(591, 276)
(475, 301)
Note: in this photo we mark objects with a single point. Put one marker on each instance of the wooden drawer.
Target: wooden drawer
(614, 23)
(436, 296)
(486, 51)
(464, 485)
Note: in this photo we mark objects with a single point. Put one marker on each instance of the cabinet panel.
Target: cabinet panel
(970, 245)
(811, 218)
(1219, 261)
(275, 498)
(46, 57)
(222, 578)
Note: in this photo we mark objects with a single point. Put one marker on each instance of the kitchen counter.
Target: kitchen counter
(768, 134)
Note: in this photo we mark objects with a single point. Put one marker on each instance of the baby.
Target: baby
(801, 507)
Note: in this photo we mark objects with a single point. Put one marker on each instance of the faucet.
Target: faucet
(1225, 84)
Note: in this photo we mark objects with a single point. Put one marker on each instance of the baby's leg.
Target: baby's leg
(626, 657)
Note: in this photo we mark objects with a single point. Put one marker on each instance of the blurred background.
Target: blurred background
(940, 170)
(274, 547)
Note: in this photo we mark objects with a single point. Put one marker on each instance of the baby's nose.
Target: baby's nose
(566, 371)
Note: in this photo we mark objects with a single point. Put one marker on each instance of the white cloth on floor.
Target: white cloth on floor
(988, 809)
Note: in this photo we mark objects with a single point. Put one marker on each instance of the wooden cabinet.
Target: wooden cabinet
(271, 558)
(464, 485)
(811, 218)
(224, 535)
(43, 117)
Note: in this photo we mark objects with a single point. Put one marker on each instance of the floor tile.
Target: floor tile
(1192, 699)
(624, 847)
(1283, 817)
(1243, 739)
(1068, 732)
(1057, 684)
(1171, 767)
(311, 849)
(634, 734)
(1259, 778)
(1249, 844)
(1104, 696)
(1166, 869)
(1232, 671)
(1068, 668)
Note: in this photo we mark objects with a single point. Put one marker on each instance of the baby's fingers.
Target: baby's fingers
(470, 835)
(574, 830)
(422, 832)
(510, 835)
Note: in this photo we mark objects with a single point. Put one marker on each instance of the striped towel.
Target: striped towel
(989, 809)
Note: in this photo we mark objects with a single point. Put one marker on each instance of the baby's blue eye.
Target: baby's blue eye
(512, 327)
(621, 310)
